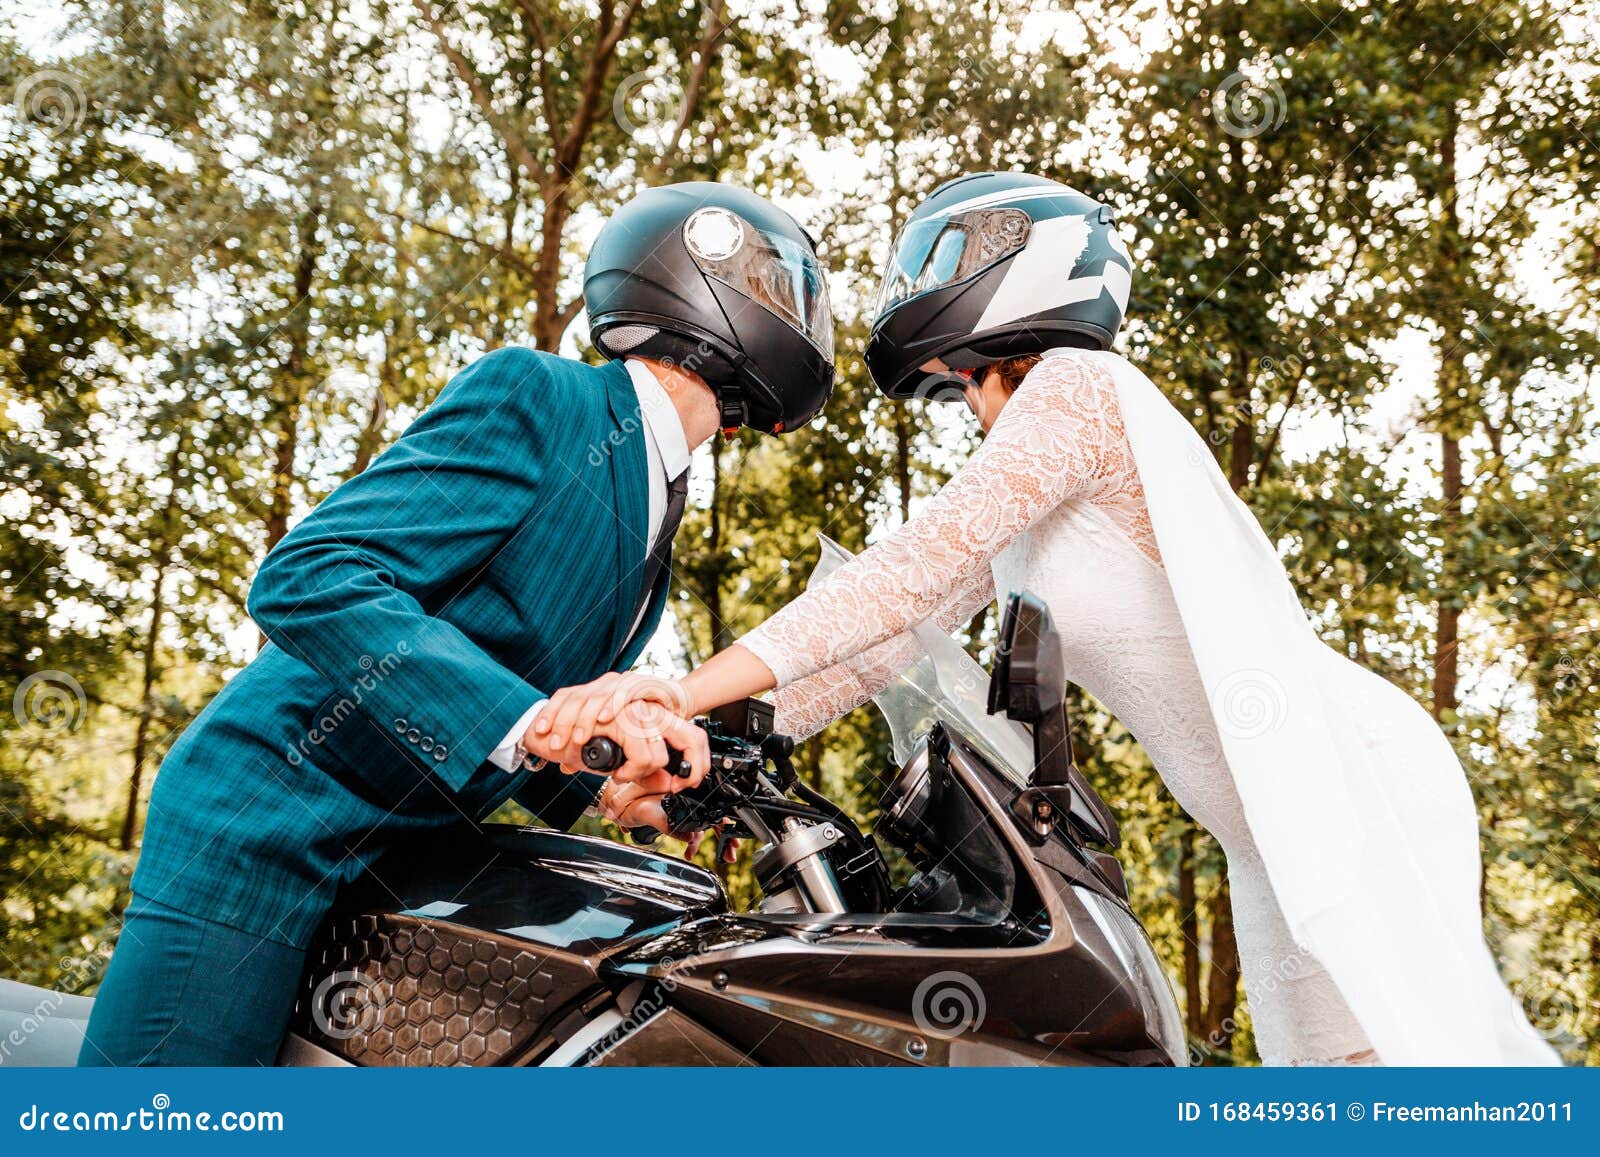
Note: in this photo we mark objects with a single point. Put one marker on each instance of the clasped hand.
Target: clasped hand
(646, 716)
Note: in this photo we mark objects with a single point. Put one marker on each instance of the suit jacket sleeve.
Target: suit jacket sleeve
(348, 590)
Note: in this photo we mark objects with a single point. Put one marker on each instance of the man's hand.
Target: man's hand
(643, 728)
(633, 805)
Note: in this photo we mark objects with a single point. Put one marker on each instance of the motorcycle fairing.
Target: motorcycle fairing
(476, 953)
(1049, 970)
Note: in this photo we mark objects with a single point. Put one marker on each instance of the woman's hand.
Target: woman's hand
(633, 805)
(642, 727)
(574, 714)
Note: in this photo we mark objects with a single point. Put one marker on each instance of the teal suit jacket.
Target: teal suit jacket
(492, 555)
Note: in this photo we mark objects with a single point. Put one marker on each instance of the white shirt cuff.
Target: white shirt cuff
(509, 755)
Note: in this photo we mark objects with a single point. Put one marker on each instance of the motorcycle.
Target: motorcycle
(1011, 942)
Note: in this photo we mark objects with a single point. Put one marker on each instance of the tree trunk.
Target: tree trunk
(902, 461)
(151, 660)
(147, 682)
(372, 430)
(1453, 418)
(1242, 438)
(1222, 979)
(289, 392)
(282, 486)
(1222, 988)
(290, 388)
(1189, 933)
(1447, 632)
(721, 637)
(548, 322)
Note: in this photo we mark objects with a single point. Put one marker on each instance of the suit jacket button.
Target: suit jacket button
(427, 743)
(400, 726)
(413, 735)
(439, 753)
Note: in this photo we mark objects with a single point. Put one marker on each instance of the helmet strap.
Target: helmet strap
(733, 410)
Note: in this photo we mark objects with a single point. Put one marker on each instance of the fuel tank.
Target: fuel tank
(477, 949)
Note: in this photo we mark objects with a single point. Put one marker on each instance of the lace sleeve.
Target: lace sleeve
(805, 707)
(1060, 437)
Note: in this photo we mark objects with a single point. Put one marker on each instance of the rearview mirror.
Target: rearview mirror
(1030, 685)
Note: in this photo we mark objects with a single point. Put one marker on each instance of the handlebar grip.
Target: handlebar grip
(602, 754)
(605, 755)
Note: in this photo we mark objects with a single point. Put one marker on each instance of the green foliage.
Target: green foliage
(242, 245)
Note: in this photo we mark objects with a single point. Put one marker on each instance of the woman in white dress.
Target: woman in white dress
(1350, 832)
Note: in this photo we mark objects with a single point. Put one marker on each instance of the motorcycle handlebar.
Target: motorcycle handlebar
(606, 755)
(738, 766)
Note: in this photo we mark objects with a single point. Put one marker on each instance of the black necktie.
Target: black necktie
(661, 551)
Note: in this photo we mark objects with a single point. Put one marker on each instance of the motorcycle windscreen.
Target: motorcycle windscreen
(938, 682)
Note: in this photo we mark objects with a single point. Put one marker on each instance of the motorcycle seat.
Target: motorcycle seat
(40, 1028)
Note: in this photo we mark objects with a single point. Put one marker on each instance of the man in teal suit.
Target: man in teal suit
(513, 541)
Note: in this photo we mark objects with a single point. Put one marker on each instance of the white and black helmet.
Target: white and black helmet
(993, 266)
(724, 283)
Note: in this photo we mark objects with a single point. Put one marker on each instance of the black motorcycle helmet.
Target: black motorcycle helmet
(993, 266)
(725, 284)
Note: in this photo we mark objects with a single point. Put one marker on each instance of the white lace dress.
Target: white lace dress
(1052, 503)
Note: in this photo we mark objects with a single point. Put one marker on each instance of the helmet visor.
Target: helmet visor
(939, 251)
(779, 273)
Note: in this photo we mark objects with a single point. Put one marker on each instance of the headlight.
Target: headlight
(905, 803)
(1138, 960)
